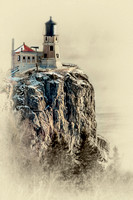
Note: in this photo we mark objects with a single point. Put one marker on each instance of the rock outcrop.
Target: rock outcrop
(60, 107)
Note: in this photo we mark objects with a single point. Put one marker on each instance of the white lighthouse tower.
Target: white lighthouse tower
(51, 54)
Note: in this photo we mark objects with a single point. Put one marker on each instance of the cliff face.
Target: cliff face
(60, 107)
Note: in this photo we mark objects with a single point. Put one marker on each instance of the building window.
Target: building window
(46, 38)
(28, 59)
(24, 59)
(33, 58)
(56, 38)
(51, 48)
(19, 58)
(45, 55)
(57, 55)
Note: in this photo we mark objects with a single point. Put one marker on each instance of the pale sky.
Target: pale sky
(95, 34)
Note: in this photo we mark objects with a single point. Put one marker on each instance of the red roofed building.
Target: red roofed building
(25, 58)
(23, 47)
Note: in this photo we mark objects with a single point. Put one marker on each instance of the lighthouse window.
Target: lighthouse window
(57, 55)
(51, 48)
(18, 58)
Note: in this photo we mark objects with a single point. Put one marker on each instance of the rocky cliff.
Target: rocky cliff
(60, 107)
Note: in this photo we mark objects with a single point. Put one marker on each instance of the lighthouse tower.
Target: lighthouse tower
(51, 54)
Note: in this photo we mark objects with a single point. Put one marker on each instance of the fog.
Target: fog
(95, 34)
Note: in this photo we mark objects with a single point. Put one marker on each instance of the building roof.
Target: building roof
(23, 47)
(50, 22)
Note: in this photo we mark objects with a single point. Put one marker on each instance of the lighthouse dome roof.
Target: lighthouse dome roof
(50, 22)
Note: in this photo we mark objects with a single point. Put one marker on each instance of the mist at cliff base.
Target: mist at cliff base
(20, 183)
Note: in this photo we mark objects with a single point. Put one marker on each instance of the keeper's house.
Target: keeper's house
(25, 58)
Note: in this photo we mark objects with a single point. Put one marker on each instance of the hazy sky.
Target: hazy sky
(95, 34)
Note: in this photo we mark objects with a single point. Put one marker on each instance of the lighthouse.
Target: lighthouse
(51, 54)
(26, 58)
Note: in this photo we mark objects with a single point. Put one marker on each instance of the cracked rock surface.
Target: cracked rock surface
(60, 106)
